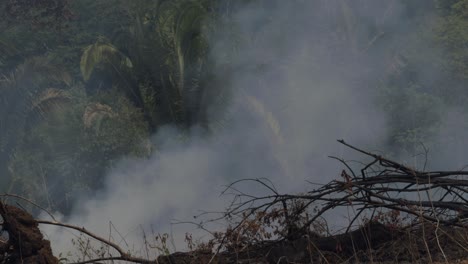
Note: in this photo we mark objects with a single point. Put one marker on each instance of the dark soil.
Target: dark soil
(374, 243)
(25, 242)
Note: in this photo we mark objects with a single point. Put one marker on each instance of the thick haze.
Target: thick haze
(296, 88)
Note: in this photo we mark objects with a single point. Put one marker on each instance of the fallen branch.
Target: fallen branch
(382, 184)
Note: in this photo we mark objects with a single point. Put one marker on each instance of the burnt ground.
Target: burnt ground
(372, 243)
(25, 242)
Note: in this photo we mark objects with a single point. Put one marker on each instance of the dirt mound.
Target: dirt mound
(25, 242)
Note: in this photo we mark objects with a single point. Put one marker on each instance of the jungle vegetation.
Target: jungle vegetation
(84, 83)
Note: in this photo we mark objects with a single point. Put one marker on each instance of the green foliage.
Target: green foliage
(45, 13)
(67, 138)
(453, 35)
(166, 43)
(102, 53)
(25, 94)
(67, 155)
(145, 64)
(49, 151)
(413, 115)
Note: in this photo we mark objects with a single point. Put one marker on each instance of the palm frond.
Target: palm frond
(24, 92)
(272, 123)
(95, 112)
(99, 53)
(277, 141)
(40, 71)
(50, 99)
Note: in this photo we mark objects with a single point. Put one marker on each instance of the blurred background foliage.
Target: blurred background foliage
(84, 83)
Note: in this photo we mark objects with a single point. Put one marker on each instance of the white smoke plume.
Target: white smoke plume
(295, 89)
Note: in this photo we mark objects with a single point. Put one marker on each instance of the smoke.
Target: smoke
(448, 150)
(302, 74)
